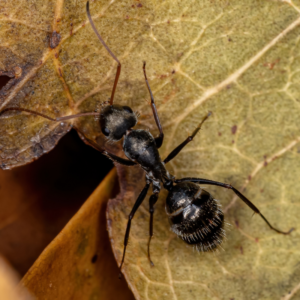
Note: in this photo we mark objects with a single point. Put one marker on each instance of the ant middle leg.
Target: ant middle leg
(138, 202)
(188, 139)
(239, 194)
(159, 140)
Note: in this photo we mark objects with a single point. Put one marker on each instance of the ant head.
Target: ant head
(115, 120)
(195, 216)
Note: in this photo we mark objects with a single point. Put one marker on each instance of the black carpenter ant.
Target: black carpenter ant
(194, 214)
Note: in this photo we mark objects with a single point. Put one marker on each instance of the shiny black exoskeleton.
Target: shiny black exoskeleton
(115, 120)
(140, 147)
(194, 214)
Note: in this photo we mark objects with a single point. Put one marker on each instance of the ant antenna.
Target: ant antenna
(81, 114)
(49, 118)
(109, 51)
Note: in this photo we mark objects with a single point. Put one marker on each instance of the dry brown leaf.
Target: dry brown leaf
(238, 59)
(8, 284)
(37, 200)
(79, 264)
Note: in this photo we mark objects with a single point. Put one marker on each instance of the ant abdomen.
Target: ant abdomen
(115, 120)
(195, 216)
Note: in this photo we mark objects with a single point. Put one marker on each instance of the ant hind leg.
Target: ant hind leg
(239, 194)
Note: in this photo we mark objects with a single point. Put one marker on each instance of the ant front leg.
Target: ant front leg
(189, 139)
(114, 158)
(152, 200)
(239, 194)
(138, 202)
(159, 140)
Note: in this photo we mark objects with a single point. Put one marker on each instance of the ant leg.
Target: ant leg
(138, 202)
(189, 139)
(111, 156)
(109, 51)
(159, 140)
(240, 195)
(152, 201)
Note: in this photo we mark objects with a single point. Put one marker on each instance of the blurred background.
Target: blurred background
(37, 200)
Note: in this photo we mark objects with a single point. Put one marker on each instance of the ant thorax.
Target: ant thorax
(140, 146)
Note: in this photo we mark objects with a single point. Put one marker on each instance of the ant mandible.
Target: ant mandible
(195, 215)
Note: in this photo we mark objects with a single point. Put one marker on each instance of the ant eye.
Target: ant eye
(106, 131)
(128, 109)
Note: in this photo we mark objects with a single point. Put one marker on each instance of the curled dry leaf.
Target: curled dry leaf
(238, 59)
(9, 282)
(79, 264)
(37, 200)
